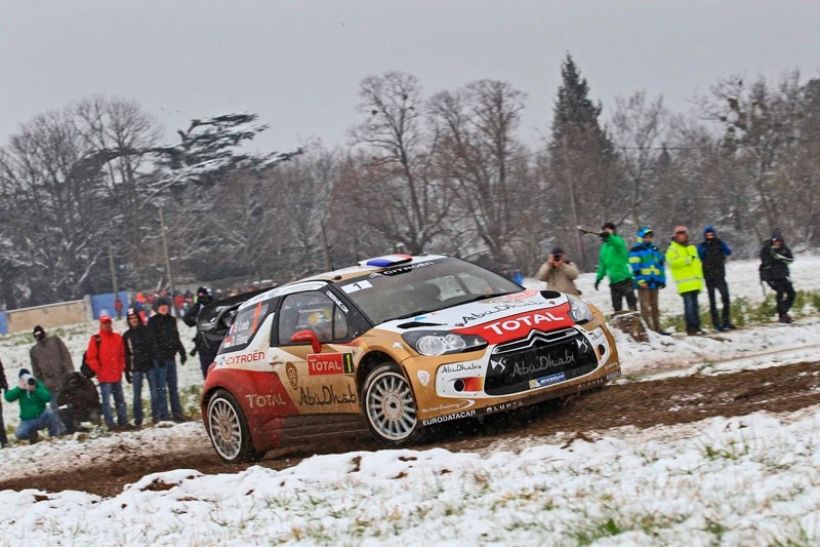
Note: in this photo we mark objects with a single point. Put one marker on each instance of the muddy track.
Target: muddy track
(641, 404)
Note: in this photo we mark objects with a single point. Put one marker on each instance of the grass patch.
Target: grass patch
(744, 313)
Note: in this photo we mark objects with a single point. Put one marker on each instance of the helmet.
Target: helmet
(645, 231)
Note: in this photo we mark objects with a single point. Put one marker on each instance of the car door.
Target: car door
(323, 381)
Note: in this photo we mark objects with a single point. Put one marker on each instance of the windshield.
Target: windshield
(415, 289)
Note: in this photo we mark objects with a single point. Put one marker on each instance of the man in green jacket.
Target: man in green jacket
(33, 397)
(685, 266)
(613, 262)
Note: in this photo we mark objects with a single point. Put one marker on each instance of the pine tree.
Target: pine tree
(583, 168)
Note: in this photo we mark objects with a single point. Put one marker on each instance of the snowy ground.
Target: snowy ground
(745, 480)
(741, 481)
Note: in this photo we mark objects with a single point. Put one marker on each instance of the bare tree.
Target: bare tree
(638, 127)
(395, 185)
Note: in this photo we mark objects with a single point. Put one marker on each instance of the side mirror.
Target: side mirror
(307, 336)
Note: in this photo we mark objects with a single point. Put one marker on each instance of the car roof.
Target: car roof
(318, 281)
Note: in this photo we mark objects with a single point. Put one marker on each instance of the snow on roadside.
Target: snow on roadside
(742, 480)
(80, 449)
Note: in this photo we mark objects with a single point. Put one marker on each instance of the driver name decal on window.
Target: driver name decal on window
(245, 325)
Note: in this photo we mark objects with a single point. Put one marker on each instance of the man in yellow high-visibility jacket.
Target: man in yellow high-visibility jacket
(687, 271)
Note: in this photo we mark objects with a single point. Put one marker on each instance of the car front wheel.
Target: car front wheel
(390, 407)
(228, 429)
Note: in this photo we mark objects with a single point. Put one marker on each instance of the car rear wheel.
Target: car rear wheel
(389, 406)
(228, 429)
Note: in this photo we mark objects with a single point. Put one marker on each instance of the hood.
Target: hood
(495, 319)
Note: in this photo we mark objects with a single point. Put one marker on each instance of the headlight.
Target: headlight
(579, 310)
(442, 342)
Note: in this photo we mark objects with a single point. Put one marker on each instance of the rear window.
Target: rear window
(245, 325)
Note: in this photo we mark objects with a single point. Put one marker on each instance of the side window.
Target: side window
(245, 325)
(313, 311)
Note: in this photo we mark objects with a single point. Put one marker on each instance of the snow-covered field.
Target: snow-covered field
(752, 480)
(745, 480)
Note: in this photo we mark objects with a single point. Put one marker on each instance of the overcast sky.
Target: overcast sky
(298, 63)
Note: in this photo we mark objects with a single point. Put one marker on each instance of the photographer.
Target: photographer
(33, 397)
(78, 402)
(206, 345)
(559, 273)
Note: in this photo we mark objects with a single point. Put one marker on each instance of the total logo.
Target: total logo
(519, 326)
(512, 325)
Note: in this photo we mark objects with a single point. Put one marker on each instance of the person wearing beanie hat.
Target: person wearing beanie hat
(106, 357)
(163, 328)
(559, 273)
(613, 262)
(713, 252)
(775, 258)
(687, 271)
(206, 344)
(139, 364)
(649, 273)
(33, 397)
(50, 362)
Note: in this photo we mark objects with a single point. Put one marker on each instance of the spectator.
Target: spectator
(139, 362)
(685, 266)
(33, 397)
(4, 440)
(106, 357)
(163, 328)
(118, 307)
(50, 362)
(179, 304)
(775, 258)
(713, 252)
(559, 273)
(650, 276)
(614, 263)
(79, 402)
(204, 344)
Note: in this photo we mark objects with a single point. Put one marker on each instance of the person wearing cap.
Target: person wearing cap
(163, 328)
(775, 258)
(687, 271)
(713, 252)
(559, 272)
(613, 262)
(33, 397)
(649, 273)
(139, 362)
(206, 345)
(50, 362)
(4, 440)
(106, 357)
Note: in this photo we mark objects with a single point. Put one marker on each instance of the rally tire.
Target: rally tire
(389, 406)
(228, 429)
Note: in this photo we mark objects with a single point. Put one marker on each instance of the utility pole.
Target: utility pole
(113, 272)
(165, 252)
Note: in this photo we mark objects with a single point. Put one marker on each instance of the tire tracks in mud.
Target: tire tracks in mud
(643, 404)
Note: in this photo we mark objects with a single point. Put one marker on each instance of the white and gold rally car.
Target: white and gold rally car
(403, 343)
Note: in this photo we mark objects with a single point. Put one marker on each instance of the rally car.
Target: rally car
(402, 343)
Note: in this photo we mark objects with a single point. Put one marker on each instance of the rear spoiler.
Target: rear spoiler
(217, 317)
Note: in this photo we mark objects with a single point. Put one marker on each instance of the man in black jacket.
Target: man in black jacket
(775, 258)
(163, 328)
(713, 252)
(4, 440)
(205, 346)
(139, 364)
(79, 402)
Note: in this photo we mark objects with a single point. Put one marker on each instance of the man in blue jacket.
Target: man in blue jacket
(649, 276)
(713, 252)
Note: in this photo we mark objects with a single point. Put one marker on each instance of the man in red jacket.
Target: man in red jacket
(106, 357)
